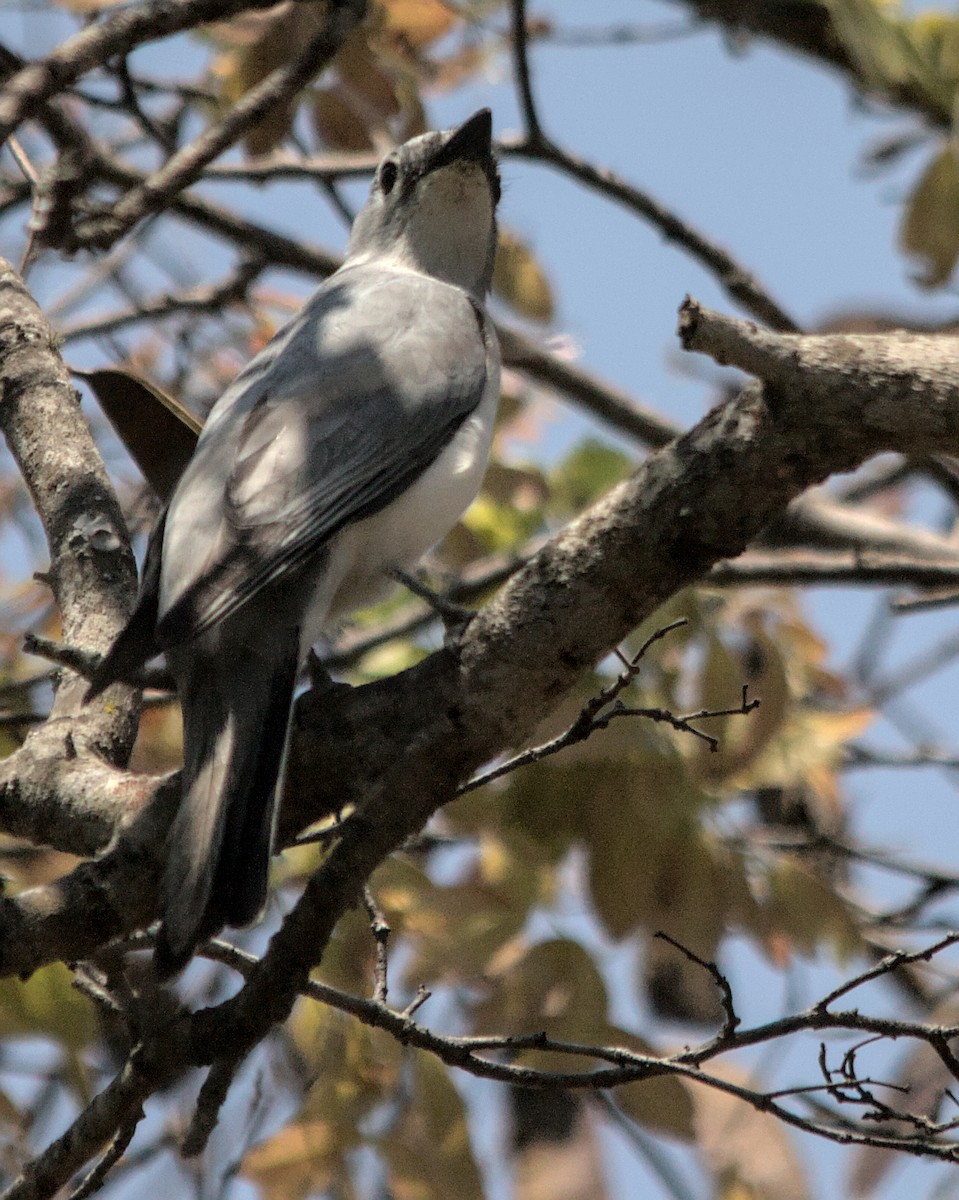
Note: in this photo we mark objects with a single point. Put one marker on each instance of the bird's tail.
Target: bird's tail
(235, 719)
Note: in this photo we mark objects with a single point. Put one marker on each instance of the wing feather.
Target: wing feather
(344, 410)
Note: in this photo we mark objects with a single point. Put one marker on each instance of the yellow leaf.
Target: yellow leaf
(47, 1004)
(500, 527)
(355, 112)
(555, 987)
(662, 1103)
(337, 124)
(258, 44)
(930, 225)
(881, 44)
(453, 931)
(550, 1167)
(742, 739)
(591, 468)
(523, 488)
(520, 280)
(428, 1150)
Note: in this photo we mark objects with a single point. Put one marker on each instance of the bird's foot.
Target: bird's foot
(455, 617)
(321, 681)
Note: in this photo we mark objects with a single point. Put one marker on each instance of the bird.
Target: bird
(345, 449)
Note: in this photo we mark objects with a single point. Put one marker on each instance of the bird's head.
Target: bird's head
(432, 206)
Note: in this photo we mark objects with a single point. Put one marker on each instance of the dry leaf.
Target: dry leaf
(567, 1168)
(745, 1149)
(520, 280)
(419, 22)
(159, 433)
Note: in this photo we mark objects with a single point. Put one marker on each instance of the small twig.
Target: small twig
(858, 755)
(591, 718)
(680, 724)
(739, 284)
(732, 1021)
(653, 1153)
(30, 172)
(586, 723)
(211, 299)
(838, 1091)
(626, 1066)
(25, 92)
(131, 102)
(110, 1157)
(381, 935)
(455, 617)
(186, 166)
(32, 176)
(212, 1095)
(890, 963)
(81, 661)
(423, 994)
(520, 35)
(904, 606)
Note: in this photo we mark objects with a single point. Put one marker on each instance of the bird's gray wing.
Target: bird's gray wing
(359, 396)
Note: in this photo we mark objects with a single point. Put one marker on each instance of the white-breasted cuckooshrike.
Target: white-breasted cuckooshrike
(348, 446)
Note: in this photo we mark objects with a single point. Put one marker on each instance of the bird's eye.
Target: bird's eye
(388, 174)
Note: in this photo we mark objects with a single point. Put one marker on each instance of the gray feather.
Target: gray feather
(386, 365)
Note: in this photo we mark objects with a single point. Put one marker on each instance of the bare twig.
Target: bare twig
(26, 91)
(210, 1101)
(381, 935)
(96, 1178)
(211, 299)
(604, 708)
(731, 1022)
(187, 164)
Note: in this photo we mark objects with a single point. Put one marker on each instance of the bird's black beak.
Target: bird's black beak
(471, 142)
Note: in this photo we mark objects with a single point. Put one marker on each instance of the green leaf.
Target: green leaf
(46, 1004)
(930, 226)
(589, 470)
(889, 53)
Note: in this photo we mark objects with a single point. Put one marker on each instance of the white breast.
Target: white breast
(398, 536)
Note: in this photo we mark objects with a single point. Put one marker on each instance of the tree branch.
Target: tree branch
(25, 92)
(186, 166)
(398, 748)
(92, 573)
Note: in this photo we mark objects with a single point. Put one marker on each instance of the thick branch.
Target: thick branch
(398, 748)
(92, 571)
(874, 372)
